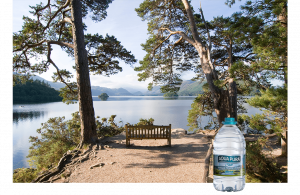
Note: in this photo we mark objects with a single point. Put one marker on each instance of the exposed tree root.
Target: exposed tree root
(68, 161)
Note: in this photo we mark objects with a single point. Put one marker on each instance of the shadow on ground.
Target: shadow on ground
(185, 149)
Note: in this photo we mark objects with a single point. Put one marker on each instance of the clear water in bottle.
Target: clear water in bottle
(229, 158)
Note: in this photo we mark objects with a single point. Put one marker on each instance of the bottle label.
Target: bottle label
(229, 165)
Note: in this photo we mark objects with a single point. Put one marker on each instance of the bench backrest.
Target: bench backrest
(148, 132)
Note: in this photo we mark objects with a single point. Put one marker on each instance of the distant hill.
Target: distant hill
(154, 92)
(56, 85)
(191, 88)
(187, 88)
(96, 90)
(138, 93)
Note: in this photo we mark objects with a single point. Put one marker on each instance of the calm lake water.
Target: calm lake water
(27, 118)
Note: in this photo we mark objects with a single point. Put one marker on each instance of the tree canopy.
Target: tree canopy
(59, 22)
(53, 26)
(248, 48)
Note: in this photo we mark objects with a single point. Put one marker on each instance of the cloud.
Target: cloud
(120, 80)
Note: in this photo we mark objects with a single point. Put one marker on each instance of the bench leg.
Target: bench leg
(127, 142)
(169, 142)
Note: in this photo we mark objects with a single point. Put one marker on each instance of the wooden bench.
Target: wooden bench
(148, 132)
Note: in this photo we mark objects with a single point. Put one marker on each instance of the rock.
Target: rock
(179, 131)
(97, 165)
(96, 147)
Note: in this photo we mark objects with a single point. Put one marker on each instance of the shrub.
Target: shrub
(24, 175)
(57, 136)
(108, 127)
(258, 167)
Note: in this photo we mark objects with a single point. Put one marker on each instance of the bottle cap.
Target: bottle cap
(229, 121)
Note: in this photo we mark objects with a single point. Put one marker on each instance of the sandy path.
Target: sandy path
(145, 161)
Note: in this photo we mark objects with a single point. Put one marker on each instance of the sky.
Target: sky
(122, 22)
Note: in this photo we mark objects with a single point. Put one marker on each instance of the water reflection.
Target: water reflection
(31, 115)
(134, 98)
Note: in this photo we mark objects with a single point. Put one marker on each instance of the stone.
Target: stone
(97, 165)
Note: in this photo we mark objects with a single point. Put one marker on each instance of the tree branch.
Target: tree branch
(244, 58)
(38, 10)
(55, 14)
(65, 20)
(27, 46)
(61, 43)
(208, 35)
(162, 42)
(192, 21)
(184, 36)
(216, 43)
(57, 69)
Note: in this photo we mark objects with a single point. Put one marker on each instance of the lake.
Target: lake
(27, 118)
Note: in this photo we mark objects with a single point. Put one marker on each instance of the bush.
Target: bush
(258, 167)
(24, 175)
(108, 127)
(58, 136)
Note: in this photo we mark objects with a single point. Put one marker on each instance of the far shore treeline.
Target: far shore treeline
(39, 91)
(34, 92)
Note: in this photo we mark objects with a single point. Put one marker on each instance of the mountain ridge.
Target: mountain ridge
(187, 88)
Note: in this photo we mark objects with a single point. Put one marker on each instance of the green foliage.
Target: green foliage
(166, 55)
(259, 167)
(274, 101)
(34, 91)
(104, 52)
(69, 93)
(98, 7)
(44, 28)
(57, 136)
(270, 46)
(24, 175)
(170, 94)
(202, 106)
(142, 121)
(108, 127)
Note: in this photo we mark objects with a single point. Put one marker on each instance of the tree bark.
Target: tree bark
(232, 98)
(86, 109)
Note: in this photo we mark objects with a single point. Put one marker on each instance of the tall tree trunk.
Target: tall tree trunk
(224, 101)
(232, 98)
(232, 86)
(283, 19)
(86, 109)
(224, 107)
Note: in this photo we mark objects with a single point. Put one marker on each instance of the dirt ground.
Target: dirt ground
(153, 161)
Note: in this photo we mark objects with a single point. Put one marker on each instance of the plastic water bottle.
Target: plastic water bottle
(229, 158)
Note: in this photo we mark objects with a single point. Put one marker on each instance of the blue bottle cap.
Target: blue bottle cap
(229, 121)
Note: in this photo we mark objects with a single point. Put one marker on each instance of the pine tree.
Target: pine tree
(180, 39)
(59, 22)
(270, 46)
